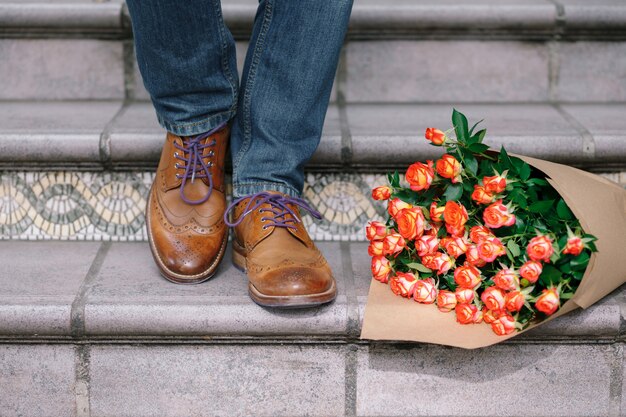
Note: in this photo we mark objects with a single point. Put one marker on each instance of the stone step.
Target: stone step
(91, 329)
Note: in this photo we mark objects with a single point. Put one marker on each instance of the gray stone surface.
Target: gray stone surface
(53, 131)
(441, 71)
(38, 284)
(599, 15)
(393, 134)
(37, 380)
(591, 72)
(504, 380)
(63, 69)
(131, 298)
(221, 380)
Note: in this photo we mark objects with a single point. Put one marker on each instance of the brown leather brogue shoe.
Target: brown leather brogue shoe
(284, 267)
(186, 205)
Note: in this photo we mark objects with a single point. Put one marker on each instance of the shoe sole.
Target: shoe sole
(180, 278)
(281, 301)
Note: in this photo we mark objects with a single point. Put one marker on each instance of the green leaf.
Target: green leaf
(563, 211)
(514, 248)
(471, 164)
(538, 181)
(478, 147)
(419, 267)
(541, 207)
(549, 276)
(471, 131)
(459, 121)
(524, 172)
(453, 192)
(580, 262)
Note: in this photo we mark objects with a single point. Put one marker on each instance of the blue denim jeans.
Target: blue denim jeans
(186, 56)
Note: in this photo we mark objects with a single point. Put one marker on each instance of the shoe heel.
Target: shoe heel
(239, 259)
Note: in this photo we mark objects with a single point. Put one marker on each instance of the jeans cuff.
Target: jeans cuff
(196, 128)
(245, 189)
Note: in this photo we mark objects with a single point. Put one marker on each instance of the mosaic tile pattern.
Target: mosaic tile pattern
(74, 205)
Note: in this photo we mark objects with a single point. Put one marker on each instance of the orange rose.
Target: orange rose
(467, 313)
(403, 284)
(530, 271)
(479, 233)
(489, 250)
(419, 175)
(375, 248)
(455, 216)
(503, 325)
(395, 205)
(472, 257)
(436, 213)
(506, 280)
(446, 301)
(574, 246)
(410, 222)
(494, 185)
(381, 193)
(425, 291)
(464, 295)
(375, 231)
(393, 243)
(437, 261)
(491, 315)
(498, 215)
(455, 246)
(426, 244)
(381, 268)
(548, 302)
(436, 136)
(449, 167)
(540, 248)
(493, 298)
(481, 196)
(514, 301)
(467, 276)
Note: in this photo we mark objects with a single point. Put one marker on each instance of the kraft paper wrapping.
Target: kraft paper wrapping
(599, 205)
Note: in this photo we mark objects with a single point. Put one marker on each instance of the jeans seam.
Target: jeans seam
(250, 81)
(271, 186)
(182, 126)
(225, 67)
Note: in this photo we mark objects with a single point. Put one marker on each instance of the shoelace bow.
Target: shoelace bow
(280, 214)
(195, 167)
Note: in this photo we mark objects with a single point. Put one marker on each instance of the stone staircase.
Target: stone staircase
(87, 326)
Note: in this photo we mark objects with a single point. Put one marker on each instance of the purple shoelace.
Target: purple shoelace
(277, 212)
(195, 167)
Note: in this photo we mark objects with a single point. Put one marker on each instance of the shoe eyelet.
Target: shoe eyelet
(210, 164)
(176, 165)
(264, 227)
(211, 153)
(175, 153)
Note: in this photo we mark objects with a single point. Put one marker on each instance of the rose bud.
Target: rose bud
(574, 246)
(449, 167)
(489, 250)
(494, 185)
(464, 295)
(481, 196)
(506, 280)
(381, 193)
(393, 243)
(465, 313)
(375, 248)
(491, 315)
(375, 231)
(410, 222)
(426, 244)
(419, 175)
(436, 213)
(530, 271)
(472, 257)
(455, 216)
(493, 298)
(540, 248)
(395, 205)
(403, 284)
(425, 291)
(455, 246)
(436, 136)
(467, 276)
(480, 233)
(381, 268)
(514, 301)
(548, 302)
(478, 317)
(446, 301)
(503, 325)
(498, 215)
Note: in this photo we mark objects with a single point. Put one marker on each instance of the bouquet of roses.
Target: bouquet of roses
(479, 233)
